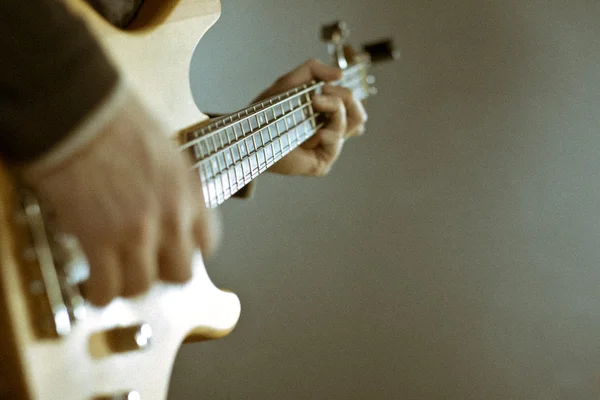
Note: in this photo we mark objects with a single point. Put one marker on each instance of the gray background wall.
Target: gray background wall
(453, 251)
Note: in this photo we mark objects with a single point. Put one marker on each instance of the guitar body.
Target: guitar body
(154, 53)
(154, 58)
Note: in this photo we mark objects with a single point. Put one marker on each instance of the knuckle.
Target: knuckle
(141, 229)
(339, 104)
(173, 224)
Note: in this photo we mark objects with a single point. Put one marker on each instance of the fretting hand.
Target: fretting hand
(347, 118)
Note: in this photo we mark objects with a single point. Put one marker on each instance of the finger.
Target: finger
(356, 115)
(139, 269)
(139, 263)
(175, 258)
(336, 111)
(311, 70)
(327, 142)
(104, 283)
(207, 231)
(327, 146)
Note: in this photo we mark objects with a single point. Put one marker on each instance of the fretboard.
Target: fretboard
(233, 150)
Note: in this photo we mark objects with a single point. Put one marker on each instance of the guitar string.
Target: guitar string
(253, 131)
(232, 144)
(207, 132)
(223, 184)
(220, 178)
(225, 180)
(245, 135)
(264, 106)
(217, 174)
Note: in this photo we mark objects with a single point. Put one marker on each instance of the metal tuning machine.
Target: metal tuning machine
(381, 51)
(335, 35)
(356, 63)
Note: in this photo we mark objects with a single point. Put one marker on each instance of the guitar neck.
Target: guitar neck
(233, 150)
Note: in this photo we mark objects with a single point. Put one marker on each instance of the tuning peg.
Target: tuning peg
(335, 36)
(382, 51)
(336, 32)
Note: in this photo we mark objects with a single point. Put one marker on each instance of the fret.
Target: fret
(249, 145)
(225, 183)
(214, 143)
(197, 155)
(294, 131)
(253, 124)
(239, 172)
(246, 123)
(224, 138)
(204, 180)
(285, 107)
(269, 154)
(295, 123)
(299, 119)
(279, 150)
(311, 111)
(235, 132)
(211, 193)
(230, 135)
(261, 119)
(246, 167)
(278, 130)
(271, 142)
(243, 149)
(257, 139)
(252, 137)
(262, 163)
(204, 148)
(235, 174)
(229, 163)
(286, 131)
(235, 152)
(233, 184)
(253, 166)
(218, 188)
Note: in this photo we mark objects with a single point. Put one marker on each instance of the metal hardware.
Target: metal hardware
(335, 35)
(48, 261)
(129, 338)
(130, 395)
(383, 50)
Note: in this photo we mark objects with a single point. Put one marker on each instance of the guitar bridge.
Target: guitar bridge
(53, 269)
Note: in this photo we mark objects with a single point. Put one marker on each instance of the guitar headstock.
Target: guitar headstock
(345, 56)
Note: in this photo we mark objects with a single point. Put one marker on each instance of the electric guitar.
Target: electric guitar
(55, 346)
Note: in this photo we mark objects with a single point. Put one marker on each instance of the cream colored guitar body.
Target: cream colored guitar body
(83, 364)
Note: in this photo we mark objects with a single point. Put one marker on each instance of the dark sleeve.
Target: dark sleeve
(52, 73)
